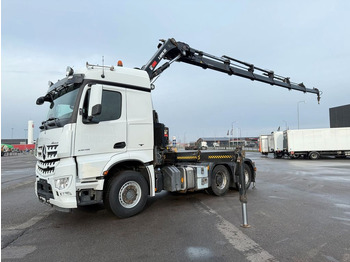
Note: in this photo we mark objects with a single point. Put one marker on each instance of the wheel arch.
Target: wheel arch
(134, 165)
(252, 168)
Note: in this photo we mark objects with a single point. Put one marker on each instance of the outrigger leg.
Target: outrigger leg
(242, 189)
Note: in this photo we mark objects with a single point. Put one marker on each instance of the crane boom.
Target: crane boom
(173, 50)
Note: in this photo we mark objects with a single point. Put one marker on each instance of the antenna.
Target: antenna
(103, 69)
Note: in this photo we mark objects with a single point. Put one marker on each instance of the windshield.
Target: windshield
(62, 106)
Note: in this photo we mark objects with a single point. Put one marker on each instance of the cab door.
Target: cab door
(97, 139)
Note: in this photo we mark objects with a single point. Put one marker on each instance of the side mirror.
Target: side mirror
(40, 100)
(95, 102)
(96, 110)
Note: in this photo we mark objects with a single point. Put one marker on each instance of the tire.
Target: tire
(248, 177)
(126, 194)
(277, 155)
(220, 180)
(314, 155)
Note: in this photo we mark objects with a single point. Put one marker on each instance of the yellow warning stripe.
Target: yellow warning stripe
(209, 157)
(220, 157)
(187, 157)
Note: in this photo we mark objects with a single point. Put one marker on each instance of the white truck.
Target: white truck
(315, 143)
(264, 147)
(272, 143)
(276, 144)
(102, 141)
(200, 144)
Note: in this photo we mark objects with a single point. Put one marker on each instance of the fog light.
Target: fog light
(62, 183)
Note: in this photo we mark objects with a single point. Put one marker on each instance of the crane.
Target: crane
(173, 50)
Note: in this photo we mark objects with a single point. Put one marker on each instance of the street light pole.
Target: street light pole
(240, 136)
(298, 110)
(232, 133)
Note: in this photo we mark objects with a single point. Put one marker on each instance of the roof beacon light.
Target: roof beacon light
(69, 71)
(120, 63)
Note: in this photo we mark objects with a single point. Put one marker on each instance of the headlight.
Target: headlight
(62, 183)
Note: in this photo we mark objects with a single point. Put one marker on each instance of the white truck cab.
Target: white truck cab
(97, 119)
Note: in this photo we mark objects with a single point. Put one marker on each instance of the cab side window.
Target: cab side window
(111, 106)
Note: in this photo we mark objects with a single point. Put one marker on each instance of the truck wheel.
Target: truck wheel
(248, 177)
(220, 180)
(314, 155)
(126, 194)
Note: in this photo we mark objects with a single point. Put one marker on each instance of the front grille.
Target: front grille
(47, 159)
(46, 168)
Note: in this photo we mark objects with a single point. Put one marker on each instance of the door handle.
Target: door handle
(119, 145)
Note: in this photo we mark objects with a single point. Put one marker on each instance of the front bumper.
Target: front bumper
(76, 192)
(45, 184)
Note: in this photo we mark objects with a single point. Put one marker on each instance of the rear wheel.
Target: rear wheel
(314, 155)
(220, 180)
(247, 177)
(126, 194)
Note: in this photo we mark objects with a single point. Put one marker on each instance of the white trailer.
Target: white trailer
(276, 144)
(314, 143)
(264, 144)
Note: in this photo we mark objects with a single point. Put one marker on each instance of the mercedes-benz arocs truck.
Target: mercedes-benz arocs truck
(103, 142)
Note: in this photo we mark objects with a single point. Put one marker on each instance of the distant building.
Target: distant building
(14, 141)
(339, 116)
(230, 141)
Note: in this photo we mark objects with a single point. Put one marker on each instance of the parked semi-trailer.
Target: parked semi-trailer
(314, 143)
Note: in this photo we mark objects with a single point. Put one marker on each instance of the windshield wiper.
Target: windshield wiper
(52, 121)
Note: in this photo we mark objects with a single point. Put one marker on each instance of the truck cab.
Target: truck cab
(97, 119)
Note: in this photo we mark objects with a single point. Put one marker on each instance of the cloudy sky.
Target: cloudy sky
(308, 41)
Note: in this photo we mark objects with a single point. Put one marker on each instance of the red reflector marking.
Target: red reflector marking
(154, 64)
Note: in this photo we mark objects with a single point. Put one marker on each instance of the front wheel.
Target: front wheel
(126, 194)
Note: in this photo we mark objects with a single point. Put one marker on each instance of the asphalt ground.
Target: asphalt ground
(298, 211)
